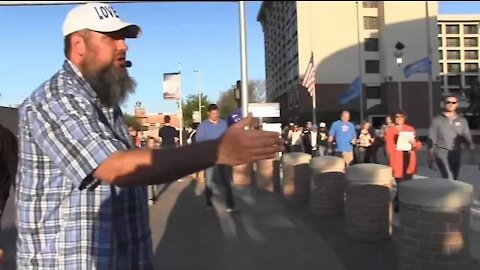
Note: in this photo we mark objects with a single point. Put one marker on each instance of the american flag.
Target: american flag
(309, 78)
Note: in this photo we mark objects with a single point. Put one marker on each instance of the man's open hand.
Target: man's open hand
(240, 146)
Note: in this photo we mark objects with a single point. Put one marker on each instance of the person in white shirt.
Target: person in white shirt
(314, 140)
(295, 138)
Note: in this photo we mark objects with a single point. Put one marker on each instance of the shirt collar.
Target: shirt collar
(71, 68)
(75, 68)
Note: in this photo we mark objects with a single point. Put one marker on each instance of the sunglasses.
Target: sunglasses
(451, 102)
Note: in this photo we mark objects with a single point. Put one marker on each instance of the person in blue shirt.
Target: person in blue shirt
(343, 133)
(210, 129)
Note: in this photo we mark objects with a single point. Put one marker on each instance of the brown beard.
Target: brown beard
(112, 85)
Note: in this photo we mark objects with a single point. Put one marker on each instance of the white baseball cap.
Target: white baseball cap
(98, 17)
(322, 124)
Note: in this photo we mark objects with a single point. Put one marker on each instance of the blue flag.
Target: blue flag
(352, 92)
(421, 66)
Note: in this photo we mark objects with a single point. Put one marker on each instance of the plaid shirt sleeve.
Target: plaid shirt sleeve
(68, 130)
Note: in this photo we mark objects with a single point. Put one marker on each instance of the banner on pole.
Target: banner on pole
(423, 65)
(171, 86)
(352, 92)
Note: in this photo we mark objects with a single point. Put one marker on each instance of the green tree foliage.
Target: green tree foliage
(132, 122)
(190, 105)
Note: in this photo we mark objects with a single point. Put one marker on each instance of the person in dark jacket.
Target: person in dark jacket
(307, 137)
(8, 166)
(322, 138)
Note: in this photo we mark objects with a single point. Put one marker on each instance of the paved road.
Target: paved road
(270, 233)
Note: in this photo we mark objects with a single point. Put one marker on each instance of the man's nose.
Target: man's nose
(122, 45)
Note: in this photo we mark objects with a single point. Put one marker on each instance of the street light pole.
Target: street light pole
(199, 93)
(398, 53)
(243, 58)
(399, 64)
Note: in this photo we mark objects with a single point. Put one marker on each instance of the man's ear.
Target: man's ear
(79, 45)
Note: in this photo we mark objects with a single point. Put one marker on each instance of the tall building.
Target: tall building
(458, 49)
(348, 40)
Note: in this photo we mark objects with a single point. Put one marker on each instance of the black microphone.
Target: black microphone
(128, 63)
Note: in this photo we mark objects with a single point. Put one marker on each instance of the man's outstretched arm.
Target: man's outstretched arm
(146, 166)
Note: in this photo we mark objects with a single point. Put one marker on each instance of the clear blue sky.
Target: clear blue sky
(200, 36)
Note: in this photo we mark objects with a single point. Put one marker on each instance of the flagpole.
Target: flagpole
(360, 65)
(314, 94)
(429, 51)
(314, 99)
(180, 103)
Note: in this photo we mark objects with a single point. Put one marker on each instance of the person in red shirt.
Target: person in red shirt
(403, 162)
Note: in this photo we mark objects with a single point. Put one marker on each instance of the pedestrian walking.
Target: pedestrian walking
(322, 138)
(402, 158)
(449, 134)
(343, 133)
(381, 137)
(212, 128)
(169, 135)
(365, 144)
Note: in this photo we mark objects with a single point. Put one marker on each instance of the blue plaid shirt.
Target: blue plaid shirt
(66, 218)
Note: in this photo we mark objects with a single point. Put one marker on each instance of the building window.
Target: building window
(443, 90)
(453, 42)
(370, 22)
(470, 29)
(470, 42)
(454, 80)
(440, 54)
(453, 55)
(372, 66)
(370, 4)
(454, 68)
(371, 44)
(471, 55)
(440, 43)
(455, 91)
(442, 80)
(452, 28)
(373, 92)
(290, 99)
(471, 80)
(441, 67)
(471, 67)
(440, 29)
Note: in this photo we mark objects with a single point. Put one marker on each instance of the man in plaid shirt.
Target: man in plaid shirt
(81, 196)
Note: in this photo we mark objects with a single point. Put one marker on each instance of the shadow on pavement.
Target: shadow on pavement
(261, 236)
(354, 255)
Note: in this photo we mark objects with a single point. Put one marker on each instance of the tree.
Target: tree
(132, 122)
(227, 102)
(257, 90)
(190, 105)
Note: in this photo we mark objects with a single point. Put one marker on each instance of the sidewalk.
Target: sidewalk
(264, 235)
